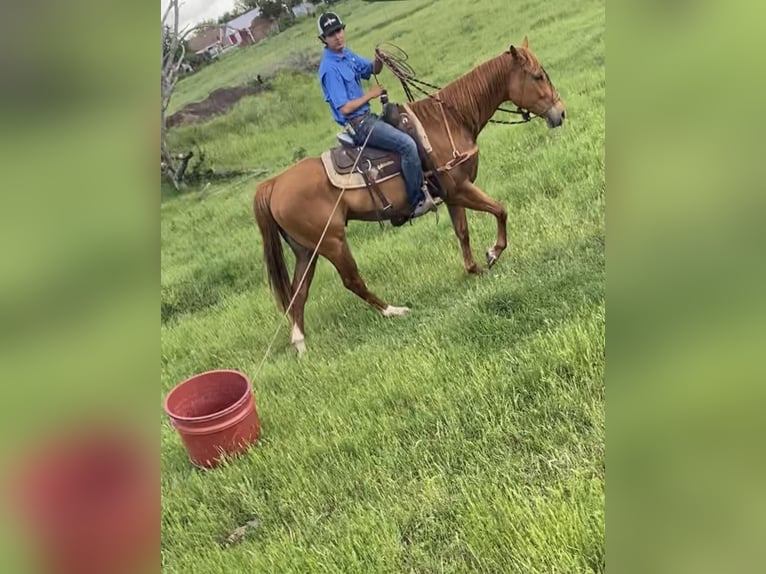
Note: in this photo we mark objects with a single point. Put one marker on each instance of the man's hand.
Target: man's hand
(374, 92)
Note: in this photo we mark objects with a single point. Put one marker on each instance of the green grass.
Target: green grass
(467, 437)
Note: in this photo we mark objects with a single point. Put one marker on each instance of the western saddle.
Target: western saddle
(375, 165)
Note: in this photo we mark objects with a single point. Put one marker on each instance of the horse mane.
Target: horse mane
(473, 97)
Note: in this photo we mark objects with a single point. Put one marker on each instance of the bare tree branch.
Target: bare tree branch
(167, 11)
(171, 60)
(173, 52)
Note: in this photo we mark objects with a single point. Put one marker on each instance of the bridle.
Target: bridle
(556, 98)
(525, 114)
(406, 76)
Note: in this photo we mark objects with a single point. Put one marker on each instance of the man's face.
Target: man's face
(336, 40)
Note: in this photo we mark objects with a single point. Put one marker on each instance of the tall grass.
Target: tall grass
(467, 437)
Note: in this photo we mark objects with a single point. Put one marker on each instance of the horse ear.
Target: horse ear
(513, 52)
(525, 42)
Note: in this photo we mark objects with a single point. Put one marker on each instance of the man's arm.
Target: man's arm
(366, 68)
(352, 105)
(335, 93)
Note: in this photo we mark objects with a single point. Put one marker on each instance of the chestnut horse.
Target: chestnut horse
(300, 203)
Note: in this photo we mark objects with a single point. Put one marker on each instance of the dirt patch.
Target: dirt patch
(218, 102)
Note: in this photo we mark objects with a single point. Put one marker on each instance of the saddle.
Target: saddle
(375, 165)
(380, 163)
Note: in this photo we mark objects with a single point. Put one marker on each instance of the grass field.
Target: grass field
(466, 437)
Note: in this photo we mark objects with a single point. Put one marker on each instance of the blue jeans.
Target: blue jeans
(387, 137)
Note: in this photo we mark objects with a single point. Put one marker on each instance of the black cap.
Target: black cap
(328, 23)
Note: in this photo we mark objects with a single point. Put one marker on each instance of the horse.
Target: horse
(303, 206)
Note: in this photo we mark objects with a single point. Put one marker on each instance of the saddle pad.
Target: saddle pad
(355, 180)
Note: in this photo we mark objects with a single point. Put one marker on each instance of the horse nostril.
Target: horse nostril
(563, 114)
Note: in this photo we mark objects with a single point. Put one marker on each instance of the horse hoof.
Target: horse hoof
(300, 347)
(491, 257)
(392, 311)
(476, 270)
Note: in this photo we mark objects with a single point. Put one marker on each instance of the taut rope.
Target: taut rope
(311, 260)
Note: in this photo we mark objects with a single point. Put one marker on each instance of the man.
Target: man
(340, 74)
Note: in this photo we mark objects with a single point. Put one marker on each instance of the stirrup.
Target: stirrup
(435, 198)
(431, 207)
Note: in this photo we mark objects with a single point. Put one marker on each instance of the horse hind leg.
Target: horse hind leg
(337, 251)
(304, 265)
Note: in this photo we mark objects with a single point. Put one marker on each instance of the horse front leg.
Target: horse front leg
(470, 196)
(460, 224)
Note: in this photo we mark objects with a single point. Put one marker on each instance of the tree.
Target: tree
(172, 60)
(271, 9)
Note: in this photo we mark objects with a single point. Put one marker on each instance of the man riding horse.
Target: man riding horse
(340, 75)
(306, 205)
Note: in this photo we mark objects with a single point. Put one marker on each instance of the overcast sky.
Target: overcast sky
(192, 11)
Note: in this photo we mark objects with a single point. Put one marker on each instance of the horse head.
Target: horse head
(531, 89)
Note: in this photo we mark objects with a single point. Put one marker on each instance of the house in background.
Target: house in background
(238, 30)
(243, 30)
(207, 41)
(262, 27)
(220, 38)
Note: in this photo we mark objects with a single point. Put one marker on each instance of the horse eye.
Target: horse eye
(538, 77)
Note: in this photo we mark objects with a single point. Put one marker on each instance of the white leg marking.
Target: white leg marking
(298, 340)
(491, 257)
(392, 311)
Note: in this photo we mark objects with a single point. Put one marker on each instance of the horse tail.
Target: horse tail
(272, 244)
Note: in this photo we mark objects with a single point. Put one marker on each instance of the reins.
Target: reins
(525, 114)
(406, 76)
(395, 59)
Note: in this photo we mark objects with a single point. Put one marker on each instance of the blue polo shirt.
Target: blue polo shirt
(341, 78)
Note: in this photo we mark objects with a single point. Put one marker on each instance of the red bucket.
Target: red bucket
(215, 415)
